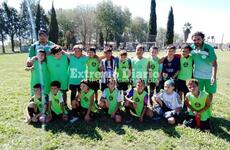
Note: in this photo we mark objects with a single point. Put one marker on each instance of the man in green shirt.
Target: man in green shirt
(205, 64)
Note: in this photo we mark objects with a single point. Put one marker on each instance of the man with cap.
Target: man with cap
(42, 43)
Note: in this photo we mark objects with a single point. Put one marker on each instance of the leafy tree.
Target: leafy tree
(138, 30)
(187, 30)
(170, 27)
(53, 28)
(3, 28)
(153, 22)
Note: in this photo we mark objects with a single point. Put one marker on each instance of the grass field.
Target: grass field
(103, 133)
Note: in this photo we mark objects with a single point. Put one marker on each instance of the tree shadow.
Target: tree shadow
(220, 127)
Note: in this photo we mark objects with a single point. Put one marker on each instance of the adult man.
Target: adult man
(205, 64)
(42, 43)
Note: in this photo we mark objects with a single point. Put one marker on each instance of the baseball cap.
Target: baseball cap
(170, 82)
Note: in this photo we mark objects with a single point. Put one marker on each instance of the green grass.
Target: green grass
(103, 133)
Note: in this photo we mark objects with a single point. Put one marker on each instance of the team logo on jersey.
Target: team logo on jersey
(86, 99)
(110, 98)
(137, 99)
(56, 100)
(93, 64)
(153, 66)
(185, 64)
(39, 105)
(197, 105)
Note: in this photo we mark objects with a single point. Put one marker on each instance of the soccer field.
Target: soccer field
(103, 133)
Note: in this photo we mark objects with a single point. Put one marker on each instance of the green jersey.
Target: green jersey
(58, 69)
(56, 102)
(139, 69)
(39, 102)
(203, 59)
(92, 69)
(123, 70)
(186, 68)
(40, 75)
(85, 100)
(112, 98)
(154, 69)
(198, 104)
(36, 46)
(77, 68)
(139, 99)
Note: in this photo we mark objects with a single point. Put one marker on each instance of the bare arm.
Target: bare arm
(214, 71)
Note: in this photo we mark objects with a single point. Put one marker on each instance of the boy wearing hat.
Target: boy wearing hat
(167, 102)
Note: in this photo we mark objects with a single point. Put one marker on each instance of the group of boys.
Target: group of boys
(128, 85)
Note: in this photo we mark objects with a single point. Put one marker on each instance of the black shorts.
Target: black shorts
(55, 116)
(94, 85)
(83, 111)
(73, 87)
(123, 86)
(118, 112)
(103, 86)
(190, 121)
(181, 86)
(166, 109)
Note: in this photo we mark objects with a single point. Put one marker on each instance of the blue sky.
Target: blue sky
(209, 16)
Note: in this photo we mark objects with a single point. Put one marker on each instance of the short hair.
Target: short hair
(140, 46)
(41, 51)
(109, 80)
(55, 49)
(78, 46)
(186, 45)
(86, 82)
(123, 53)
(92, 49)
(189, 81)
(171, 46)
(198, 33)
(153, 48)
(141, 80)
(37, 86)
(56, 84)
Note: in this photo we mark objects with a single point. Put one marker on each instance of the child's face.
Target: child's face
(111, 85)
(41, 56)
(77, 52)
(58, 55)
(91, 54)
(37, 92)
(171, 52)
(123, 57)
(140, 86)
(108, 54)
(54, 89)
(139, 52)
(84, 87)
(154, 53)
(185, 52)
(168, 88)
(192, 87)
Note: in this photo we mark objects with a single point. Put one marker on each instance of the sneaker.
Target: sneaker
(73, 119)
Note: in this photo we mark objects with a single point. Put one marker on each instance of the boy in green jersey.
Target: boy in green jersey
(56, 103)
(77, 69)
(37, 106)
(186, 69)
(153, 71)
(139, 66)
(84, 104)
(110, 101)
(123, 71)
(199, 106)
(39, 72)
(93, 71)
(58, 66)
(136, 101)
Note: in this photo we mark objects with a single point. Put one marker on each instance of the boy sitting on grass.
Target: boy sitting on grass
(56, 103)
(167, 102)
(37, 106)
(199, 110)
(110, 101)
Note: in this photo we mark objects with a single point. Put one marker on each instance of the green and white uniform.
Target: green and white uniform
(186, 68)
(92, 69)
(198, 104)
(56, 103)
(77, 69)
(113, 98)
(58, 69)
(85, 100)
(39, 102)
(33, 50)
(154, 69)
(123, 70)
(139, 69)
(40, 76)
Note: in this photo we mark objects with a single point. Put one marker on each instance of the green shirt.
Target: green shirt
(36, 46)
(85, 100)
(186, 68)
(77, 68)
(40, 75)
(154, 69)
(92, 69)
(112, 99)
(123, 70)
(203, 59)
(56, 102)
(139, 69)
(58, 69)
(139, 99)
(198, 104)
